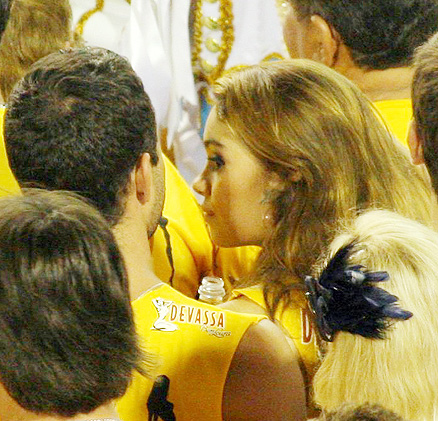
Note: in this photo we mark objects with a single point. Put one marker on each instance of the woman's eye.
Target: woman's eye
(216, 162)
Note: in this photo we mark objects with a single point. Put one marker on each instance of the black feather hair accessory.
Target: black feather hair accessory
(344, 299)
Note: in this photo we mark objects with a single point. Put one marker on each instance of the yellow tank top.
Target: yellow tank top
(296, 323)
(397, 113)
(233, 264)
(193, 344)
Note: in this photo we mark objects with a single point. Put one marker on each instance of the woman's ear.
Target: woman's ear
(323, 41)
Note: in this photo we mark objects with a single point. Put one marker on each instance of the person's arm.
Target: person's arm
(264, 381)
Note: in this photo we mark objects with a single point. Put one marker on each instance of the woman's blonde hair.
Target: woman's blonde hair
(316, 130)
(35, 28)
(401, 371)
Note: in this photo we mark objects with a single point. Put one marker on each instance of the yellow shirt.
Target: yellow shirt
(397, 113)
(232, 264)
(296, 324)
(194, 344)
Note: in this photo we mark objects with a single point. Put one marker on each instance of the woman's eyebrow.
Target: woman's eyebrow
(212, 142)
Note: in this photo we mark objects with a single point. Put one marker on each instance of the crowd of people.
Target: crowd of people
(317, 205)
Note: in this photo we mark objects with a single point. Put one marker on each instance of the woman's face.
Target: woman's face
(235, 186)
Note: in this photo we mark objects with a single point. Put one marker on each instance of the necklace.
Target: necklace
(203, 68)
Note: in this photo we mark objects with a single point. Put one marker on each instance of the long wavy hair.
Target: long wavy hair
(300, 117)
(401, 371)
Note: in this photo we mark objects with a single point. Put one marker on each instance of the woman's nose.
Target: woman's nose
(200, 185)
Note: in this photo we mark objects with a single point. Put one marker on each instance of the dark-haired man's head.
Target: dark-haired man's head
(5, 6)
(378, 34)
(80, 120)
(67, 336)
(365, 412)
(423, 135)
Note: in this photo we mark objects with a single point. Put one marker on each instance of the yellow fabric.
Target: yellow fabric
(8, 184)
(232, 264)
(296, 323)
(397, 113)
(195, 357)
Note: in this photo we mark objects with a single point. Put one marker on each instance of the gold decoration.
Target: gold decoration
(273, 57)
(202, 68)
(79, 29)
(210, 23)
(212, 45)
(207, 67)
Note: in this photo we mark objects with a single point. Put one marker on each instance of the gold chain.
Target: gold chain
(225, 24)
(79, 29)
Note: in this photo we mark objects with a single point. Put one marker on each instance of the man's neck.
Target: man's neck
(134, 245)
(379, 85)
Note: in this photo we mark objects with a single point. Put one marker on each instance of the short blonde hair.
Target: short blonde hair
(400, 372)
(300, 117)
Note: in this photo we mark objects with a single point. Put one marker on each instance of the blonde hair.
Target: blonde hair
(301, 118)
(401, 371)
(35, 28)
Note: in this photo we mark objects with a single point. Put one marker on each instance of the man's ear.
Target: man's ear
(323, 41)
(143, 178)
(415, 144)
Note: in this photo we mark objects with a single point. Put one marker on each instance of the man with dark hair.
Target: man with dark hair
(68, 345)
(5, 6)
(70, 143)
(423, 135)
(369, 41)
(364, 412)
(80, 120)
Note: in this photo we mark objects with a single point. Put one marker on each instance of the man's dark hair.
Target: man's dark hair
(67, 337)
(365, 412)
(79, 121)
(425, 104)
(380, 34)
(5, 8)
